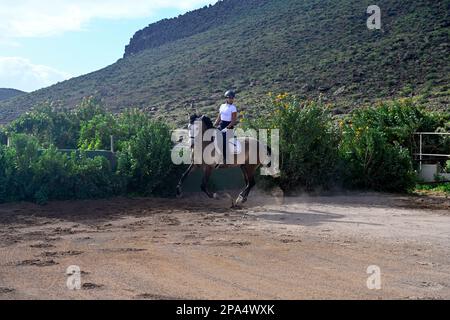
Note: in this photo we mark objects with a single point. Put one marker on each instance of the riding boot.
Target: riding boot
(224, 148)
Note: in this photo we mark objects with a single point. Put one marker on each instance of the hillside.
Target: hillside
(9, 93)
(189, 24)
(308, 47)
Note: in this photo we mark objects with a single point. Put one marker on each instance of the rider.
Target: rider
(227, 118)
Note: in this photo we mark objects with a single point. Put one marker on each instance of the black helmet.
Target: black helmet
(230, 94)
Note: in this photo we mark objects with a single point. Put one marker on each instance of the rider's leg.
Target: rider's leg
(223, 125)
(224, 147)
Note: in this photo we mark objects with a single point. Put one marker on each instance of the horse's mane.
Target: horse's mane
(206, 121)
(193, 118)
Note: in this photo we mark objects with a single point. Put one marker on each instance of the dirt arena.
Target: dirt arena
(196, 248)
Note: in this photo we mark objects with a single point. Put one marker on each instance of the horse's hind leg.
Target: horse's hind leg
(249, 176)
(241, 198)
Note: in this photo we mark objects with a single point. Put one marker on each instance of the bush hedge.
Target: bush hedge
(309, 141)
(32, 168)
(378, 141)
(370, 148)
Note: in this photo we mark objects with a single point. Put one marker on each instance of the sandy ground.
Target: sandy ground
(196, 248)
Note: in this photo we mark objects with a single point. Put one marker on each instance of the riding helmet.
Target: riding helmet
(230, 94)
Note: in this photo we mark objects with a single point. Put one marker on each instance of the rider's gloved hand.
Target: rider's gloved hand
(225, 130)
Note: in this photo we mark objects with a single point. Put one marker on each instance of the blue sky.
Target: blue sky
(46, 41)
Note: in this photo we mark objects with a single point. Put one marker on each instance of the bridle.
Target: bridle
(192, 128)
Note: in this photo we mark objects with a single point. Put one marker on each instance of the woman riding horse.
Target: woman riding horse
(250, 159)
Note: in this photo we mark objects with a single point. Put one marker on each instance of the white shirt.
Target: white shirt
(226, 112)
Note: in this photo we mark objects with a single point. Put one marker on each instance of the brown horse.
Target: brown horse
(247, 166)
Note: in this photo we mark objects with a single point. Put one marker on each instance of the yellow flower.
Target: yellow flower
(282, 96)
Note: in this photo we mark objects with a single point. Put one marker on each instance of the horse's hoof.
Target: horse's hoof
(240, 200)
(209, 195)
(216, 196)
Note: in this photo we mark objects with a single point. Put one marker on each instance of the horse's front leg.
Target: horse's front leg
(206, 175)
(185, 175)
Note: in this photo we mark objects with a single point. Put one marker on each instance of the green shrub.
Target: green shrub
(50, 177)
(377, 144)
(27, 173)
(96, 133)
(369, 161)
(129, 123)
(57, 176)
(30, 173)
(49, 125)
(399, 120)
(146, 159)
(7, 174)
(3, 136)
(308, 141)
(26, 152)
(88, 109)
(93, 178)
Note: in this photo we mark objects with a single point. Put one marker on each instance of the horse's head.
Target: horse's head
(198, 125)
(194, 128)
(193, 118)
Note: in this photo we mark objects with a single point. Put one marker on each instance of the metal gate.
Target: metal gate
(432, 169)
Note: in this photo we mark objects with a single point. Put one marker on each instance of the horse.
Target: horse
(247, 162)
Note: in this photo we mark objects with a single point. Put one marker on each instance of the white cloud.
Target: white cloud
(22, 74)
(45, 18)
(40, 18)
